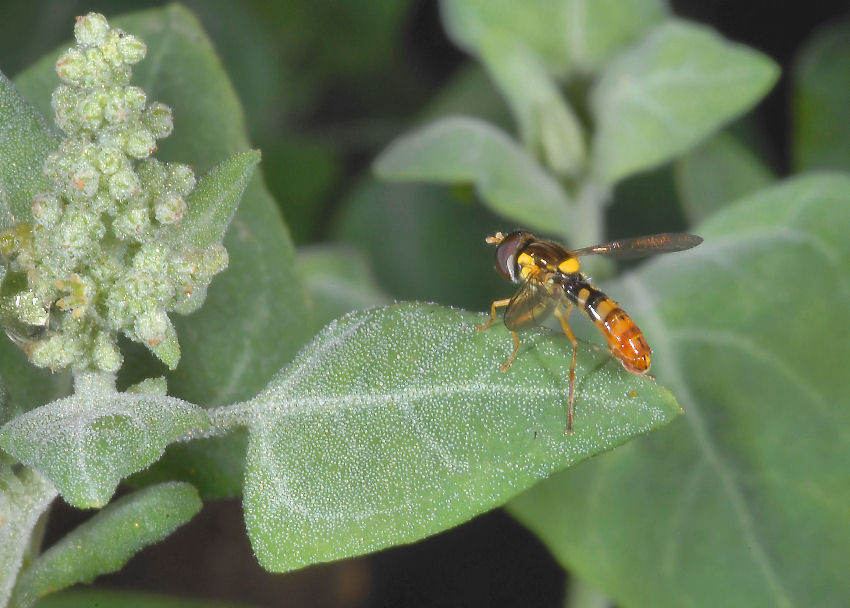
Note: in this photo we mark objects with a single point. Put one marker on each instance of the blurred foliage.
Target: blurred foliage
(327, 84)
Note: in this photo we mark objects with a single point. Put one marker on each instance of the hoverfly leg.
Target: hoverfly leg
(501, 304)
(496, 304)
(562, 319)
(513, 353)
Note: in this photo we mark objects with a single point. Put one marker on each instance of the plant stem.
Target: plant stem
(589, 229)
(223, 421)
(94, 382)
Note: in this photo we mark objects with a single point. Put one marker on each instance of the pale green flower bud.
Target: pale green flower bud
(169, 209)
(91, 30)
(83, 182)
(70, 66)
(158, 119)
(46, 209)
(135, 98)
(152, 174)
(140, 143)
(152, 327)
(132, 224)
(90, 110)
(109, 157)
(131, 49)
(123, 184)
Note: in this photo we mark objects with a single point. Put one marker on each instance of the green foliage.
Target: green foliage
(98, 437)
(525, 47)
(215, 199)
(822, 123)
(679, 85)
(714, 501)
(25, 495)
(86, 598)
(26, 140)
(105, 542)
(396, 423)
(466, 150)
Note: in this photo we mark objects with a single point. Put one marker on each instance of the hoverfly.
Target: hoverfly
(551, 283)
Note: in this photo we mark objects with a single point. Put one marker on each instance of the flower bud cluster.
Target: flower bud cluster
(103, 254)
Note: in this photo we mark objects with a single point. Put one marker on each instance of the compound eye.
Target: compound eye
(506, 254)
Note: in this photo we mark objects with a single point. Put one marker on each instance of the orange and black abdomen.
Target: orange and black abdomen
(624, 337)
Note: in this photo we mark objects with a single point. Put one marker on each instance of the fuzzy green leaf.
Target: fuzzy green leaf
(25, 142)
(397, 423)
(468, 150)
(524, 50)
(25, 495)
(662, 97)
(746, 499)
(109, 539)
(88, 442)
(546, 121)
(215, 199)
(820, 105)
(567, 35)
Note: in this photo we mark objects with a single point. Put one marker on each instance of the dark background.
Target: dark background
(331, 106)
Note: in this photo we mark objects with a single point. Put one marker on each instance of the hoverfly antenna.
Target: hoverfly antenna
(495, 239)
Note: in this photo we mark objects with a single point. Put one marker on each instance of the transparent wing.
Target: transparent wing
(641, 246)
(531, 304)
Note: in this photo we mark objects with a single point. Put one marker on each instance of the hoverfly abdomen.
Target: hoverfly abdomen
(624, 337)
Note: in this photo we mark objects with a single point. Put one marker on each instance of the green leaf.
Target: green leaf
(598, 29)
(546, 121)
(397, 423)
(215, 199)
(821, 125)
(524, 48)
(25, 142)
(657, 100)
(468, 150)
(97, 438)
(25, 495)
(567, 35)
(746, 499)
(103, 598)
(106, 541)
(339, 280)
(700, 190)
